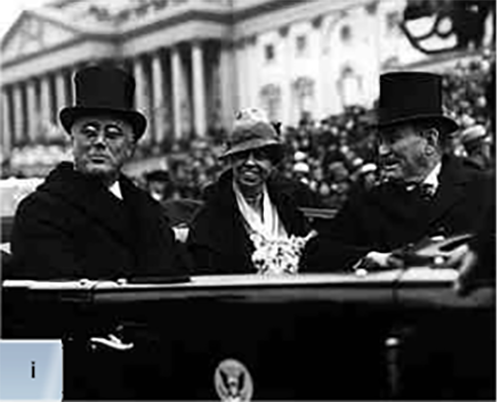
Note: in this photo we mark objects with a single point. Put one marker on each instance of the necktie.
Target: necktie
(425, 191)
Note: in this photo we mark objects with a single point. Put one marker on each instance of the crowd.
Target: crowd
(328, 155)
(332, 154)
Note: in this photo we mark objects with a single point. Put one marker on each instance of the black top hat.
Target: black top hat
(412, 96)
(104, 89)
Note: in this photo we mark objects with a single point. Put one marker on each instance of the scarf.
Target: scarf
(269, 228)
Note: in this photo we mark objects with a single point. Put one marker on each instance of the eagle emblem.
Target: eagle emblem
(233, 382)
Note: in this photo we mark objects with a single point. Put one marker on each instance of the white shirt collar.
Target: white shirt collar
(116, 190)
(433, 177)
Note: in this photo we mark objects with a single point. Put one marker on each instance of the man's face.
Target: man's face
(251, 168)
(405, 154)
(101, 145)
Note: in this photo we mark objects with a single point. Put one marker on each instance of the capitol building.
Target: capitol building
(198, 61)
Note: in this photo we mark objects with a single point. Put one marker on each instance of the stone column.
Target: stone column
(33, 117)
(286, 83)
(19, 123)
(71, 92)
(228, 83)
(316, 39)
(6, 124)
(45, 107)
(186, 96)
(159, 104)
(61, 96)
(176, 91)
(200, 120)
(241, 73)
(380, 22)
(253, 77)
(141, 95)
(62, 100)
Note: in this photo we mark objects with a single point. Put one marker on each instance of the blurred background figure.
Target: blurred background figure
(159, 185)
(367, 176)
(179, 211)
(478, 146)
(301, 172)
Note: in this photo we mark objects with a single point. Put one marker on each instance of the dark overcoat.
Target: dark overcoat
(217, 238)
(74, 227)
(389, 217)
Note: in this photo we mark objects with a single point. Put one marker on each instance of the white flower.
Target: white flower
(278, 256)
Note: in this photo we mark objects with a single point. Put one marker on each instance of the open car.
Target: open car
(394, 334)
(398, 334)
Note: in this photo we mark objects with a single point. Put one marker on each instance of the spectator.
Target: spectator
(159, 185)
(368, 176)
(478, 145)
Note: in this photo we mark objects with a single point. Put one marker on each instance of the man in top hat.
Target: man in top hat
(423, 192)
(87, 220)
(249, 198)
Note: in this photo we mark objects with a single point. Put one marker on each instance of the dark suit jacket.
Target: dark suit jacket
(73, 227)
(218, 240)
(389, 217)
(484, 245)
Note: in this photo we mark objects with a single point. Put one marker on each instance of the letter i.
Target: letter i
(32, 369)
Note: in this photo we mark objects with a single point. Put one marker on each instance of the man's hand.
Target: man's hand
(464, 260)
(377, 260)
(181, 233)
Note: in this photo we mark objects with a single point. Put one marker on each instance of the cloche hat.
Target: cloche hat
(252, 130)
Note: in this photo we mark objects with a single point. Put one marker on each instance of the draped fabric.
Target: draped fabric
(74, 227)
(269, 226)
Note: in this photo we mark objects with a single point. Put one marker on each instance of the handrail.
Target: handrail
(415, 287)
(321, 213)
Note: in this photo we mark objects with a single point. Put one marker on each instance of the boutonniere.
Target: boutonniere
(278, 256)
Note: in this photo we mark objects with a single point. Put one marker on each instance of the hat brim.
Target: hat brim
(69, 115)
(449, 125)
(252, 144)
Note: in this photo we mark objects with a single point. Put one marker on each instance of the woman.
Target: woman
(249, 203)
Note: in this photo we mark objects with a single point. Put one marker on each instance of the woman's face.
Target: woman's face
(252, 168)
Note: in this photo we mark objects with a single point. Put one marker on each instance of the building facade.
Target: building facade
(197, 61)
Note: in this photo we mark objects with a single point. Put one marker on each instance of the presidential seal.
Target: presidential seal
(233, 382)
